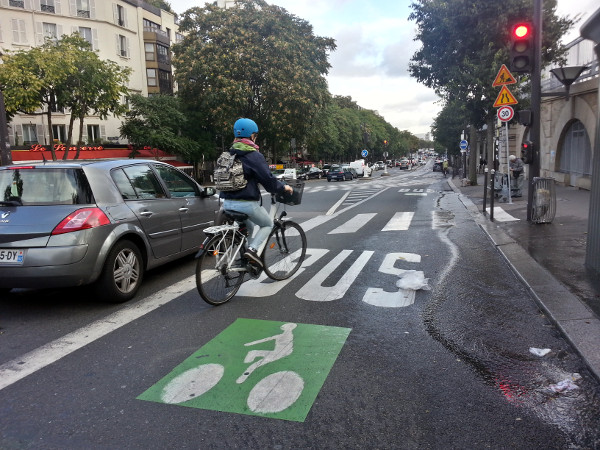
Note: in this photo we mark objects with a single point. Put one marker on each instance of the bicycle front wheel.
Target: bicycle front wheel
(285, 250)
(218, 277)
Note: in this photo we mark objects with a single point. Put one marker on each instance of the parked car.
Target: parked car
(285, 174)
(313, 172)
(437, 166)
(339, 173)
(98, 223)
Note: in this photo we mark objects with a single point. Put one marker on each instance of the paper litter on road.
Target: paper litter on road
(539, 351)
(567, 384)
(413, 280)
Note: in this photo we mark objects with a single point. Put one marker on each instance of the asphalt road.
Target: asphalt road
(337, 357)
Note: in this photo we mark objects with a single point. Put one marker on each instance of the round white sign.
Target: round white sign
(505, 113)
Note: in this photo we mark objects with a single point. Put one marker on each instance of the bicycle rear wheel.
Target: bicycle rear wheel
(285, 250)
(216, 282)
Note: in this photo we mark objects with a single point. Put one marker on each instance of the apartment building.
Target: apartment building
(130, 32)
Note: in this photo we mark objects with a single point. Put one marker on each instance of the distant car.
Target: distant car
(338, 173)
(437, 166)
(99, 223)
(313, 172)
(285, 174)
(404, 164)
(379, 165)
(325, 169)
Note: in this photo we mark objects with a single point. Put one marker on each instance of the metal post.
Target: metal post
(5, 153)
(536, 96)
(493, 194)
(591, 30)
(508, 165)
(485, 186)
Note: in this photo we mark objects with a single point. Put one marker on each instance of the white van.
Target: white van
(361, 168)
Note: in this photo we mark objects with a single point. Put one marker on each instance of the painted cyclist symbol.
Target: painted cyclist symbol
(274, 393)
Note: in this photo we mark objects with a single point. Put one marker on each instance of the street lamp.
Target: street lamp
(567, 76)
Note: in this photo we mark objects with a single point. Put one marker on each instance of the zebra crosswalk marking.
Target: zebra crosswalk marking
(353, 224)
(400, 222)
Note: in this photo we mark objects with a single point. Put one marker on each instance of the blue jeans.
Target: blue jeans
(257, 216)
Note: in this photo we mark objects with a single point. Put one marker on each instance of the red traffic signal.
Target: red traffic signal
(527, 152)
(521, 48)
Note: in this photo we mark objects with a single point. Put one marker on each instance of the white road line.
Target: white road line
(354, 224)
(37, 359)
(400, 221)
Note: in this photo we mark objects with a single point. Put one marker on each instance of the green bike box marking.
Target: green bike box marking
(255, 367)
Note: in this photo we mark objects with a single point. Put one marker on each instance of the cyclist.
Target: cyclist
(247, 200)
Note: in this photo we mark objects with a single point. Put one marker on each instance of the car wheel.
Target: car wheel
(121, 275)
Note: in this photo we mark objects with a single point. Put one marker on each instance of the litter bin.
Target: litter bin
(543, 207)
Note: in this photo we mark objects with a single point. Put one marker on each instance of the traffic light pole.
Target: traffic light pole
(5, 155)
(536, 96)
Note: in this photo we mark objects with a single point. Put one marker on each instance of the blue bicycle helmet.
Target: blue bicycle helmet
(244, 128)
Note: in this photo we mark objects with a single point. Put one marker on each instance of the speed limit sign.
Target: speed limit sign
(505, 113)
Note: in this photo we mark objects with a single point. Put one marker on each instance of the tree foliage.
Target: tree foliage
(63, 73)
(254, 60)
(157, 122)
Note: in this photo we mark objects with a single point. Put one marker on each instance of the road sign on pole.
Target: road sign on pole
(463, 144)
(506, 113)
(364, 153)
(504, 77)
(505, 98)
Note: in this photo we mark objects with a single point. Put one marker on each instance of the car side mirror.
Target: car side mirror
(208, 192)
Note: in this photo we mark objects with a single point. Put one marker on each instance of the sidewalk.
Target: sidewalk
(549, 258)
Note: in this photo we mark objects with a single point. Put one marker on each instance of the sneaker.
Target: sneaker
(253, 257)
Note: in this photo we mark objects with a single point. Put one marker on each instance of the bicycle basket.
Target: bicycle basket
(294, 198)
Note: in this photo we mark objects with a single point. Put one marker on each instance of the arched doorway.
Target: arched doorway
(576, 153)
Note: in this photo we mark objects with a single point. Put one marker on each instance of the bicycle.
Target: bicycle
(221, 265)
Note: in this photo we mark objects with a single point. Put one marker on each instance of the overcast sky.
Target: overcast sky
(374, 44)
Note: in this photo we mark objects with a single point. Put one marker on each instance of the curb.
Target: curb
(573, 318)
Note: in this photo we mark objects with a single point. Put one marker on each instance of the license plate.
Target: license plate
(11, 256)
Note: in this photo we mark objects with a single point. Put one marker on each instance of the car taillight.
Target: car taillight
(80, 220)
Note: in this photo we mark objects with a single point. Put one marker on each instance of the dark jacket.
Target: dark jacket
(256, 171)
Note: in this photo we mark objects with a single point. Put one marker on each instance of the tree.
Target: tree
(94, 86)
(65, 73)
(30, 79)
(254, 60)
(156, 122)
(162, 4)
(465, 43)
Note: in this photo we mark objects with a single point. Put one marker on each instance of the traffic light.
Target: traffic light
(527, 152)
(521, 48)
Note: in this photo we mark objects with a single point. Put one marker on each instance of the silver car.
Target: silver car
(99, 223)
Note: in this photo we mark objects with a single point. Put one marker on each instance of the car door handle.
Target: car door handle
(146, 213)
(184, 209)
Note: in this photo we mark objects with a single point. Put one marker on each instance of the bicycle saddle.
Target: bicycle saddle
(235, 215)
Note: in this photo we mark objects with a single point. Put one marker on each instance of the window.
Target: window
(164, 81)
(150, 26)
(121, 16)
(49, 31)
(17, 3)
(59, 132)
(29, 134)
(149, 48)
(122, 46)
(163, 53)
(177, 183)
(47, 6)
(83, 8)
(93, 132)
(86, 33)
(144, 181)
(19, 35)
(151, 74)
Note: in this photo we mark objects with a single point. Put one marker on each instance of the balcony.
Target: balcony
(48, 8)
(83, 13)
(17, 3)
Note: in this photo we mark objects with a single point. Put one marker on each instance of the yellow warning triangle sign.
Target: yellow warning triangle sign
(504, 98)
(504, 77)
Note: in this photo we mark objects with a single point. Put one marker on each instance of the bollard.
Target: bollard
(485, 178)
(493, 172)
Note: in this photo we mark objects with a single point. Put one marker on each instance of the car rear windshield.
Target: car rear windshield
(44, 186)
